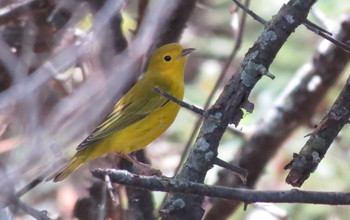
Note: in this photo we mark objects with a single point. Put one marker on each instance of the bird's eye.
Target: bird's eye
(167, 58)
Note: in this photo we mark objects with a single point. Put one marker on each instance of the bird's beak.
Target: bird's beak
(186, 51)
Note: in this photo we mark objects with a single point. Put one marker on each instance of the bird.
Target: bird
(140, 116)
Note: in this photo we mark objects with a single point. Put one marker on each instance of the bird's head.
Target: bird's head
(169, 57)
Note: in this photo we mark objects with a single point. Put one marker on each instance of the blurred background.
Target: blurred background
(65, 76)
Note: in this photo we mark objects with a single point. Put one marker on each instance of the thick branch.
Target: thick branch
(227, 109)
(217, 85)
(295, 106)
(306, 162)
(165, 184)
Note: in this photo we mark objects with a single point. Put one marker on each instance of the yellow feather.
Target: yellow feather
(141, 115)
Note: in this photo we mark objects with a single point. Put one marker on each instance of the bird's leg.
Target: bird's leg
(142, 168)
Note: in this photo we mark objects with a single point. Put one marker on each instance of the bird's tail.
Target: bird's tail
(71, 166)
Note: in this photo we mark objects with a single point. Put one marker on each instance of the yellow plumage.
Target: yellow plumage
(141, 115)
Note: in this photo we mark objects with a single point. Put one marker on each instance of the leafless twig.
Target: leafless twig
(308, 24)
(39, 215)
(190, 107)
(250, 12)
(240, 172)
(326, 35)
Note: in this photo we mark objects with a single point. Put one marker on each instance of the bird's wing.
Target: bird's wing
(124, 115)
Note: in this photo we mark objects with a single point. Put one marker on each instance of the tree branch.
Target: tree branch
(227, 109)
(192, 108)
(240, 172)
(306, 162)
(165, 184)
(218, 82)
(294, 107)
(250, 12)
(39, 215)
(308, 24)
(326, 35)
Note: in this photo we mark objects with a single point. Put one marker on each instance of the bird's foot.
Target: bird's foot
(141, 168)
(146, 169)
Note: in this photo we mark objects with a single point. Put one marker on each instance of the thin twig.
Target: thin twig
(110, 190)
(237, 132)
(31, 185)
(165, 184)
(39, 215)
(325, 34)
(308, 24)
(251, 13)
(39, 179)
(321, 18)
(192, 108)
(312, 25)
(102, 208)
(240, 172)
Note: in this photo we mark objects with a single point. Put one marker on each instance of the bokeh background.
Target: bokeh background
(26, 151)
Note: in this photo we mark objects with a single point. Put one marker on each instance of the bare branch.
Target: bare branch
(251, 13)
(326, 35)
(240, 172)
(39, 215)
(227, 108)
(110, 190)
(165, 184)
(294, 107)
(306, 162)
(190, 107)
(316, 28)
(218, 82)
(236, 131)
(308, 24)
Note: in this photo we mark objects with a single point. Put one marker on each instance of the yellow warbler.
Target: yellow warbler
(141, 115)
